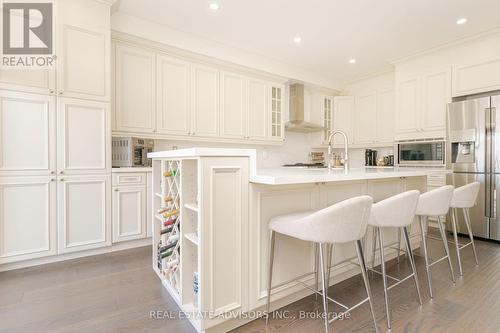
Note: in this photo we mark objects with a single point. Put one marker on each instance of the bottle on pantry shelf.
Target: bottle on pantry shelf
(172, 212)
(195, 289)
(166, 231)
(173, 238)
(171, 173)
(167, 247)
(170, 221)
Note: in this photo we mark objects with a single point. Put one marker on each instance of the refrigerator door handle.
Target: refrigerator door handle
(487, 196)
(493, 164)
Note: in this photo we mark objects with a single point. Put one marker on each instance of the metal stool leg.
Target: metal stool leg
(445, 243)
(412, 262)
(469, 229)
(328, 264)
(399, 245)
(316, 269)
(424, 245)
(374, 245)
(322, 259)
(384, 277)
(455, 237)
(361, 258)
(272, 239)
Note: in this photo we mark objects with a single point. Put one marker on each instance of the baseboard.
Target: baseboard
(62, 257)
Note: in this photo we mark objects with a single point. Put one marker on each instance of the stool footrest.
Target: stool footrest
(348, 310)
(400, 281)
(438, 260)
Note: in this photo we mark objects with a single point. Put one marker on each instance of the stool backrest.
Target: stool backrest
(396, 211)
(465, 196)
(342, 222)
(435, 202)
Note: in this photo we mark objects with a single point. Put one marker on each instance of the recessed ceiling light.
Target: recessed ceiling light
(297, 40)
(352, 61)
(214, 6)
(462, 20)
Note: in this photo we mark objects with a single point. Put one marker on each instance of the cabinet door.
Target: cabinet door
(343, 107)
(27, 218)
(172, 96)
(83, 63)
(40, 81)
(205, 109)
(129, 213)
(366, 118)
(84, 212)
(436, 94)
(149, 204)
(408, 106)
(27, 134)
(258, 109)
(385, 116)
(327, 107)
(134, 89)
(477, 77)
(234, 101)
(277, 131)
(83, 137)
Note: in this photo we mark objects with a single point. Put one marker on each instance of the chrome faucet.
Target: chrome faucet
(346, 150)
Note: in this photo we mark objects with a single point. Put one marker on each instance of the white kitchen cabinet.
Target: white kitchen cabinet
(233, 105)
(277, 127)
(436, 94)
(135, 105)
(408, 92)
(476, 77)
(129, 213)
(205, 101)
(83, 137)
(149, 204)
(327, 107)
(84, 212)
(41, 81)
(421, 104)
(343, 115)
(28, 218)
(27, 134)
(83, 50)
(258, 109)
(366, 118)
(385, 116)
(173, 96)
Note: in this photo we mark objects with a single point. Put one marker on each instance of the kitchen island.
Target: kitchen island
(212, 207)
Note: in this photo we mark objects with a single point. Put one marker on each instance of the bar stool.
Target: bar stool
(395, 212)
(464, 197)
(435, 203)
(343, 222)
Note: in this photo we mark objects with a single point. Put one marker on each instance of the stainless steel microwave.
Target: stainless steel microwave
(421, 152)
(131, 152)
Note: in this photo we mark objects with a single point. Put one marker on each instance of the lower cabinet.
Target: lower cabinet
(27, 218)
(129, 213)
(84, 212)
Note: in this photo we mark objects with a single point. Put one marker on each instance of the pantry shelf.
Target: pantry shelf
(193, 238)
(191, 206)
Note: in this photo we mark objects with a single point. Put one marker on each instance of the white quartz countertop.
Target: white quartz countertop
(286, 176)
(195, 152)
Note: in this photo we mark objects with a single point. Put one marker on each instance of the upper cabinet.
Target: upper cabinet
(134, 89)
(366, 118)
(421, 104)
(343, 116)
(82, 70)
(160, 95)
(477, 77)
(385, 116)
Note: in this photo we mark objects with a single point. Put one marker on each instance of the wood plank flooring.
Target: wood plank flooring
(116, 292)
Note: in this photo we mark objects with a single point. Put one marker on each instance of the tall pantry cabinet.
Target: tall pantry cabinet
(55, 142)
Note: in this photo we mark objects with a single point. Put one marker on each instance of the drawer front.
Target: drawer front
(436, 180)
(129, 178)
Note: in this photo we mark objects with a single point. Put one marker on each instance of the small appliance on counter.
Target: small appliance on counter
(131, 152)
(370, 157)
(305, 165)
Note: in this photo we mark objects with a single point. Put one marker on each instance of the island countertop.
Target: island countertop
(288, 176)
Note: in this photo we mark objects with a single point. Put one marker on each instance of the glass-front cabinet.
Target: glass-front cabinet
(276, 112)
(327, 117)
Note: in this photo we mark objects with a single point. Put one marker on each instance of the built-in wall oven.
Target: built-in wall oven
(131, 152)
(421, 152)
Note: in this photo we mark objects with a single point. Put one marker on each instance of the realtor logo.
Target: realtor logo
(27, 34)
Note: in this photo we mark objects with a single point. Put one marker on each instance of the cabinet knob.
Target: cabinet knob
(60, 93)
(62, 179)
(193, 133)
(116, 190)
(51, 91)
(52, 172)
(61, 172)
(53, 179)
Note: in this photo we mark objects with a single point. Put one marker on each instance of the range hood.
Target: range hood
(297, 123)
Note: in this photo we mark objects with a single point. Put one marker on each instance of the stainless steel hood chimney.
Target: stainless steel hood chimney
(297, 123)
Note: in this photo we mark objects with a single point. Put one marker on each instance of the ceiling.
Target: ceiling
(374, 32)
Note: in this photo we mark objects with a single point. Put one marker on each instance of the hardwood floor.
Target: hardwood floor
(116, 292)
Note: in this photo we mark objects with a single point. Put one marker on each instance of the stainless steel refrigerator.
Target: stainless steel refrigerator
(473, 153)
